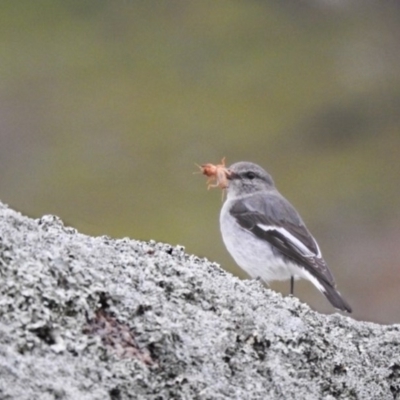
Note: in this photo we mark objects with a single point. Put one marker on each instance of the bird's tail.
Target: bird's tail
(334, 297)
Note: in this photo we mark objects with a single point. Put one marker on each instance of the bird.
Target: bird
(266, 236)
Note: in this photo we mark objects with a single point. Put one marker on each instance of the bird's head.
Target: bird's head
(246, 178)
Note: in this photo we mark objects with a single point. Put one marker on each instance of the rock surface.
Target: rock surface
(96, 318)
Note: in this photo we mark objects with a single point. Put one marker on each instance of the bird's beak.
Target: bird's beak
(230, 175)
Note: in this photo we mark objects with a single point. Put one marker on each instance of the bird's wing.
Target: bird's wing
(272, 218)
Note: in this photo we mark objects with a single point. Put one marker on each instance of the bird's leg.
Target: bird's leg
(261, 280)
(291, 285)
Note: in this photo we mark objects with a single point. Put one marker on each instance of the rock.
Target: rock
(96, 318)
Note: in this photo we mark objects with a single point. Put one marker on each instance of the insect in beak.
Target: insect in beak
(218, 175)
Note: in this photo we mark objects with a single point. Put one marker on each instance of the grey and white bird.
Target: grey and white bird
(266, 235)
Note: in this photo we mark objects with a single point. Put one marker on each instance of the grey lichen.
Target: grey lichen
(96, 318)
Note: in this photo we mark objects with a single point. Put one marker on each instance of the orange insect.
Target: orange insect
(217, 173)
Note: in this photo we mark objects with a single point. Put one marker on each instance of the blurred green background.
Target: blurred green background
(106, 106)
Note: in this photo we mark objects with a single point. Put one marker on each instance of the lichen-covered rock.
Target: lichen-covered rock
(96, 318)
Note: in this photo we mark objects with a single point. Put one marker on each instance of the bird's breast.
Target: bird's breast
(255, 256)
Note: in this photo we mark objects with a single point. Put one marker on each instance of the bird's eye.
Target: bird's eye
(250, 175)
